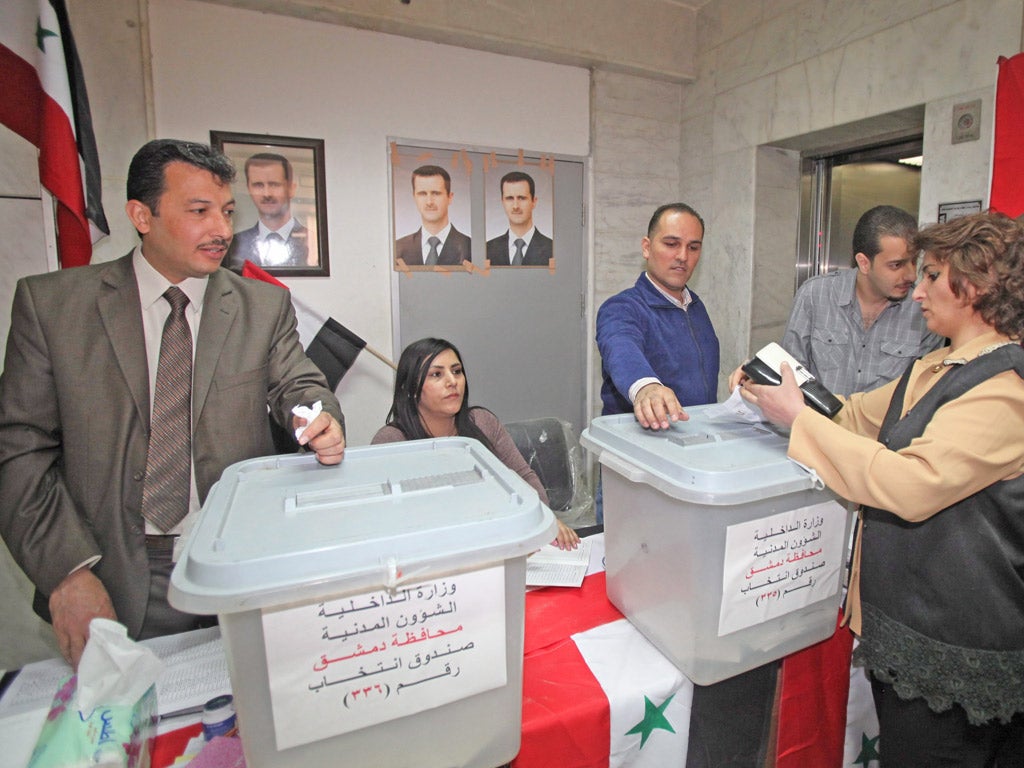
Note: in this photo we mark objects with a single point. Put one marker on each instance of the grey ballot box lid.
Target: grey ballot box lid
(285, 529)
(705, 459)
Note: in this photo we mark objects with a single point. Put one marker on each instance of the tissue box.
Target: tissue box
(115, 736)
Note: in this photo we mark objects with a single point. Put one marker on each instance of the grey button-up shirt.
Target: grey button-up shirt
(825, 332)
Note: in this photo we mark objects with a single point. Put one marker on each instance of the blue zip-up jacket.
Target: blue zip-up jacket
(640, 333)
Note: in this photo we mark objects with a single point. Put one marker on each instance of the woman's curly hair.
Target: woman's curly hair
(985, 250)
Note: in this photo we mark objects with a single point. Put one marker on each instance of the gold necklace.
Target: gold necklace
(963, 360)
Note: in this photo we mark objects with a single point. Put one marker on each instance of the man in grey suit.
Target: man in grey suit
(87, 348)
(442, 244)
(522, 245)
(277, 239)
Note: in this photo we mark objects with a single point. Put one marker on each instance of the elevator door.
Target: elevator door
(837, 189)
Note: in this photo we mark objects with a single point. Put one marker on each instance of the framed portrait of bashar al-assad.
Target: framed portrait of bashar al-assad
(518, 198)
(431, 208)
(280, 203)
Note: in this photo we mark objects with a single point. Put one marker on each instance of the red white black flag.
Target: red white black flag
(44, 101)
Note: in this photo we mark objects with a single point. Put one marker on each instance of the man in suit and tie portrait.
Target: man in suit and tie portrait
(129, 386)
(437, 241)
(277, 239)
(522, 244)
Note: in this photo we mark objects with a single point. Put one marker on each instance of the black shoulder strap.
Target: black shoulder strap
(954, 384)
(896, 404)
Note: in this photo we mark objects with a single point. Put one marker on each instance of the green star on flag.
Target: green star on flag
(868, 751)
(654, 717)
(42, 33)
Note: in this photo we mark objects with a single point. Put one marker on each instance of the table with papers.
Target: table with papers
(572, 714)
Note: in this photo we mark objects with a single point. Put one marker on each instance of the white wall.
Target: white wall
(354, 89)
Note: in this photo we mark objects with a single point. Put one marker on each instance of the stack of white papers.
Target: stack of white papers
(554, 567)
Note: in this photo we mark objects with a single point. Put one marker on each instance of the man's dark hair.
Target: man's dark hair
(881, 221)
(269, 158)
(652, 227)
(432, 170)
(146, 182)
(512, 177)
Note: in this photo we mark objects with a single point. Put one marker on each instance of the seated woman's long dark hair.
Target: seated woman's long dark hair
(413, 367)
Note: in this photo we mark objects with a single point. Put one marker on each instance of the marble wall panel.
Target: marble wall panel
(919, 61)
(955, 172)
(695, 135)
(698, 97)
(777, 217)
(724, 277)
(629, 95)
(742, 116)
(637, 143)
(764, 37)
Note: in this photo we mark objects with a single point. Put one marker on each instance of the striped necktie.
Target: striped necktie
(168, 482)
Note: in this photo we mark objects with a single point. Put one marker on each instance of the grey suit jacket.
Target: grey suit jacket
(457, 247)
(538, 252)
(74, 414)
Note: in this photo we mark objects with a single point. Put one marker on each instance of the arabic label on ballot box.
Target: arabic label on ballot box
(779, 564)
(336, 666)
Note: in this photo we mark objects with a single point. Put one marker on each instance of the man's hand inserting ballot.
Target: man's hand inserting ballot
(323, 435)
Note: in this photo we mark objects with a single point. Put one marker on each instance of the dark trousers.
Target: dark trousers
(730, 721)
(161, 619)
(914, 736)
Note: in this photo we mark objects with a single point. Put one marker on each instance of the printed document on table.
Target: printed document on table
(553, 567)
(195, 670)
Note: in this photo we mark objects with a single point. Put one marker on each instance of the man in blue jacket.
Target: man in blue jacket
(659, 354)
(659, 351)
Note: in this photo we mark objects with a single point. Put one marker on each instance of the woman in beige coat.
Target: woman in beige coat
(935, 461)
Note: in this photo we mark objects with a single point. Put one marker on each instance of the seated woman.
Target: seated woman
(935, 461)
(432, 400)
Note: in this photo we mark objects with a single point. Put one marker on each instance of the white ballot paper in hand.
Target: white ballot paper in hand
(307, 412)
(735, 409)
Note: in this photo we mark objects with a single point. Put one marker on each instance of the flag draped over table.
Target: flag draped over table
(1007, 193)
(329, 344)
(636, 703)
(637, 706)
(43, 99)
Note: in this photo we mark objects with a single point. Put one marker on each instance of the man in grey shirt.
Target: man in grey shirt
(856, 329)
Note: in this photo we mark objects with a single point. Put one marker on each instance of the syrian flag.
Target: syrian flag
(332, 347)
(1007, 195)
(44, 101)
(637, 705)
(861, 748)
(814, 704)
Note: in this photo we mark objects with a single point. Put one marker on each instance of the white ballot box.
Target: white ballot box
(724, 553)
(372, 612)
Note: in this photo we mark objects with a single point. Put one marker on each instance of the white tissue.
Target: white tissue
(114, 670)
(308, 413)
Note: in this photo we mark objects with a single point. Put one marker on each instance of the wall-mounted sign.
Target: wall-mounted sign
(950, 211)
(967, 121)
